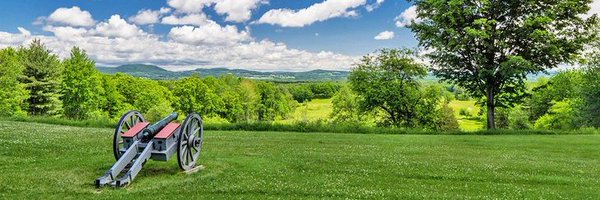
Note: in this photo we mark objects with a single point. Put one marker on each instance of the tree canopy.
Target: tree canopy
(489, 46)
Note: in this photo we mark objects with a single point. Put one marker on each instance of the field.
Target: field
(40, 161)
(317, 109)
(320, 109)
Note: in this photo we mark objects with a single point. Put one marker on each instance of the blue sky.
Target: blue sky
(267, 35)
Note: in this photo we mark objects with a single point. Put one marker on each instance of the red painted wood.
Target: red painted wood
(167, 131)
(136, 129)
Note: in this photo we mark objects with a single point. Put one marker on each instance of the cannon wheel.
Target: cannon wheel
(127, 121)
(191, 135)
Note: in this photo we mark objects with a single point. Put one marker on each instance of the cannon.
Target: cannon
(135, 141)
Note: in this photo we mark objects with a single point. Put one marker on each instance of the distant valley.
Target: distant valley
(155, 72)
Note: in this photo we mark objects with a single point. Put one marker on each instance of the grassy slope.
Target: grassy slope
(465, 123)
(52, 161)
(317, 109)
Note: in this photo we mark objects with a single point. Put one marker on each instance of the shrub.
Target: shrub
(467, 112)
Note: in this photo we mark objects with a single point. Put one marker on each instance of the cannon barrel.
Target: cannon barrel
(153, 129)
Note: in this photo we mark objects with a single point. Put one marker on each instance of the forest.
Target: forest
(386, 89)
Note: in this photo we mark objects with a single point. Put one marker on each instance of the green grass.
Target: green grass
(314, 110)
(466, 123)
(40, 161)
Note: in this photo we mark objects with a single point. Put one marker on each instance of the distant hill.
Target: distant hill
(155, 72)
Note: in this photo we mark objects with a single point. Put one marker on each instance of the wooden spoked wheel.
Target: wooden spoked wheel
(189, 145)
(127, 121)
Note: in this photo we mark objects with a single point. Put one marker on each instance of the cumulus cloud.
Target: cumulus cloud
(385, 35)
(407, 17)
(189, 19)
(197, 41)
(210, 33)
(235, 10)
(315, 13)
(73, 16)
(117, 27)
(144, 17)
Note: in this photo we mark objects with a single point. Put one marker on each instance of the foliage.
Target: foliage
(389, 81)
(346, 107)
(42, 78)
(564, 85)
(193, 95)
(591, 89)
(12, 92)
(488, 47)
(446, 120)
(562, 115)
(141, 94)
(275, 102)
(518, 119)
(82, 91)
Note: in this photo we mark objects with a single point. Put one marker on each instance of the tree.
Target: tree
(346, 108)
(12, 92)
(274, 102)
(193, 95)
(562, 86)
(388, 81)
(591, 87)
(82, 91)
(42, 79)
(489, 46)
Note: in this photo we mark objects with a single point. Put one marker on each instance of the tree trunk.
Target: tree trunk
(491, 109)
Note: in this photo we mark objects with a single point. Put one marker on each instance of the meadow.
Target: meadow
(41, 161)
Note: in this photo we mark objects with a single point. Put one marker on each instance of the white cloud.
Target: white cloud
(117, 27)
(144, 17)
(235, 10)
(24, 31)
(71, 16)
(66, 32)
(373, 6)
(315, 13)
(189, 6)
(595, 8)
(407, 17)
(385, 35)
(190, 19)
(211, 33)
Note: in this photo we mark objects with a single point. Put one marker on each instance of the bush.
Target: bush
(467, 112)
(518, 119)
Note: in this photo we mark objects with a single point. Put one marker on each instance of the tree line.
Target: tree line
(36, 82)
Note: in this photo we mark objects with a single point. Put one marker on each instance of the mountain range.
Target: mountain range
(155, 72)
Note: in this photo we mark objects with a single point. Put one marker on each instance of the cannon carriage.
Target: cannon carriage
(135, 141)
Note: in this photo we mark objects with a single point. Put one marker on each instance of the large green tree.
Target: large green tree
(82, 91)
(489, 46)
(42, 76)
(12, 92)
(389, 81)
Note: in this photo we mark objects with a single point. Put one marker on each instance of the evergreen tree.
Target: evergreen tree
(82, 92)
(42, 79)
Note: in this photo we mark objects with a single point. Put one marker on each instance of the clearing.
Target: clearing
(43, 161)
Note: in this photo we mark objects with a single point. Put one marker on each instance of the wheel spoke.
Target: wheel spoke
(127, 125)
(190, 154)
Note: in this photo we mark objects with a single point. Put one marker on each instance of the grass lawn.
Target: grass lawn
(40, 161)
(316, 109)
(465, 123)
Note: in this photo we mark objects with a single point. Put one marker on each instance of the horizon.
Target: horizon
(179, 35)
